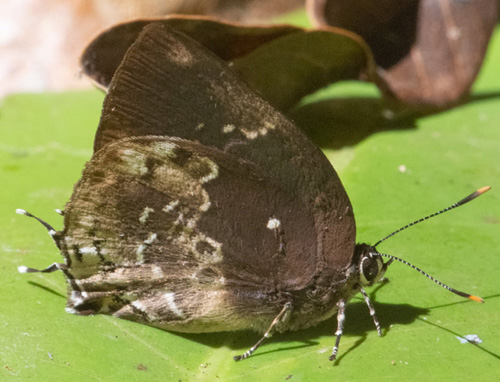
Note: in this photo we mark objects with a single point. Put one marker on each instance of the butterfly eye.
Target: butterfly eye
(370, 269)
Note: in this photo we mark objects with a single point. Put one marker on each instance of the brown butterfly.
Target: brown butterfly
(204, 209)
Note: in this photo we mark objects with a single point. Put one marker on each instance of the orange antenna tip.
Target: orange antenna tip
(476, 298)
(482, 190)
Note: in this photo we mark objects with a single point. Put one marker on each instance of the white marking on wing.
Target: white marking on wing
(169, 297)
(273, 223)
(145, 214)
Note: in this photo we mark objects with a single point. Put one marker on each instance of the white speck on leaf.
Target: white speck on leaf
(472, 338)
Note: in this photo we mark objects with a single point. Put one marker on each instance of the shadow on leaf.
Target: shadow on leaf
(358, 323)
(47, 289)
(338, 122)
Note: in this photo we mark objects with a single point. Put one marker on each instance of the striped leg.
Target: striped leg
(52, 232)
(372, 311)
(51, 268)
(340, 328)
(287, 308)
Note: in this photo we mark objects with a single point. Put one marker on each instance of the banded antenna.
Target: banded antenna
(465, 200)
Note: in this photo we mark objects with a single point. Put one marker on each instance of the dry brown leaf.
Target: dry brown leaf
(104, 54)
(288, 68)
(430, 50)
(282, 62)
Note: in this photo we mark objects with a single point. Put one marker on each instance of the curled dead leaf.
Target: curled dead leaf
(430, 51)
(282, 62)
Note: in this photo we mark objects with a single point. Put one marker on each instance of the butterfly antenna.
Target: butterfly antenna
(453, 290)
(467, 199)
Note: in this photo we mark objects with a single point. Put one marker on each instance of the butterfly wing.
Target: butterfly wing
(183, 236)
(169, 85)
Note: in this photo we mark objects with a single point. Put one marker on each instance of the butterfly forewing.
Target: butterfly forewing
(169, 85)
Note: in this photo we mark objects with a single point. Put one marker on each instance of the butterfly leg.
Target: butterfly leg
(340, 328)
(51, 268)
(280, 317)
(372, 311)
(52, 232)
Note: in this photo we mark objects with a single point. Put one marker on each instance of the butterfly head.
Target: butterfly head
(370, 264)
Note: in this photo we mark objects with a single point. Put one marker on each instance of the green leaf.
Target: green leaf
(46, 139)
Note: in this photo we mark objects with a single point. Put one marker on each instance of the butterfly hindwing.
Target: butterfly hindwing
(179, 235)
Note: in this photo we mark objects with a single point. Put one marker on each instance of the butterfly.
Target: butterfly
(204, 209)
